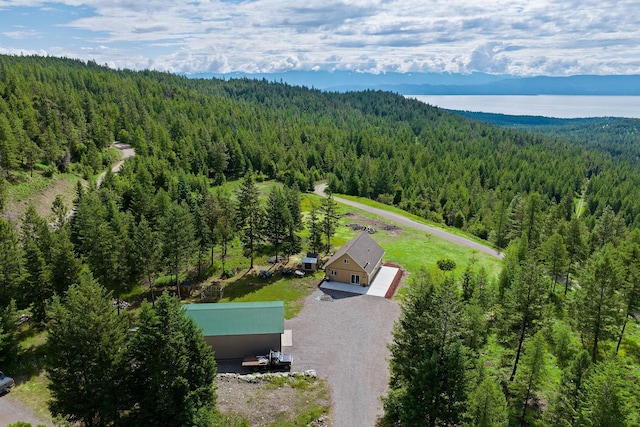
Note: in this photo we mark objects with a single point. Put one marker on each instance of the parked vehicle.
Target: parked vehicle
(265, 274)
(5, 383)
(273, 360)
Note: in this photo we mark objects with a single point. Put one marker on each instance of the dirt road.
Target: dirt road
(404, 221)
(12, 410)
(127, 152)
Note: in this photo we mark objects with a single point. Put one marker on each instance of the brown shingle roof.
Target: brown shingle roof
(363, 250)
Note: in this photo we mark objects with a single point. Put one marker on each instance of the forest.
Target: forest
(553, 340)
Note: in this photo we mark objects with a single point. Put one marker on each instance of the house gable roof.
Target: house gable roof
(363, 250)
(238, 318)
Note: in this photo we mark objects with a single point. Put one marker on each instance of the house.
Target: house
(356, 262)
(236, 330)
(310, 262)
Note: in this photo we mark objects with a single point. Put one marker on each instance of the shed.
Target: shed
(310, 262)
(357, 262)
(236, 330)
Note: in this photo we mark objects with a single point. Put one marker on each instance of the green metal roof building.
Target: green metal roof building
(236, 330)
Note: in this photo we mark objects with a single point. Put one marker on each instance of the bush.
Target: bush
(446, 264)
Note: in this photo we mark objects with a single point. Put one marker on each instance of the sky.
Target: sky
(517, 37)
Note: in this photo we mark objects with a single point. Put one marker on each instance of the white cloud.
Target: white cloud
(502, 36)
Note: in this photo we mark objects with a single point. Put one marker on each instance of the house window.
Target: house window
(346, 261)
(334, 273)
(307, 266)
(355, 279)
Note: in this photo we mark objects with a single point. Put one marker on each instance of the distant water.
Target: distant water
(560, 106)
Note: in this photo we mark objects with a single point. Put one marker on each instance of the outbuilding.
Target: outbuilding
(357, 262)
(236, 330)
(310, 262)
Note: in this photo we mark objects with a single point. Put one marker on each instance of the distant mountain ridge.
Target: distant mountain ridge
(450, 84)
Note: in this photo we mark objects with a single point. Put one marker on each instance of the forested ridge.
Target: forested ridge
(535, 346)
(373, 144)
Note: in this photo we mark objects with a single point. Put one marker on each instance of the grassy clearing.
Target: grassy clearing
(413, 217)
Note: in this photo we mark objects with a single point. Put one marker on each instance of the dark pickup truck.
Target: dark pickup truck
(5, 383)
(273, 360)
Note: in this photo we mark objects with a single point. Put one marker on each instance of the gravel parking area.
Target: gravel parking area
(344, 338)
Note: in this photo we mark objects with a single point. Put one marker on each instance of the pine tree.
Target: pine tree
(36, 283)
(604, 403)
(9, 342)
(171, 368)
(315, 230)
(428, 361)
(523, 307)
(147, 252)
(10, 260)
(65, 266)
(330, 219)
(597, 306)
(249, 216)
(84, 350)
(532, 374)
(555, 256)
(576, 247)
(224, 228)
(487, 405)
(565, 407)
(277, 219)
(178, 245)
(630, 291)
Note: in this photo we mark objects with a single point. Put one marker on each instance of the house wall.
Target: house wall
(345, 271)
(240, 346)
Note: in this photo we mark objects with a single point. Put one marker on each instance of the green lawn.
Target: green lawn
(291, 290)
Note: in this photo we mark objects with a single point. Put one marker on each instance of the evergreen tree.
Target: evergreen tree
(554, 253)
(249, 216)
(523, 305)
(576, 247)
(609, 228)
(60, 212)
(147, 252)
(315, 229)
(487, 405)
(224, 228)
(604, 403)
(177, 239)
(630, 291)
(171, 368)
(10, 260)
(565, 408)
(428, 361)
(84, 349)
(36, 283)
(330, 219)
(9, 343)
(65, 266)
(597, 306)
(532, 374)
(277, 219)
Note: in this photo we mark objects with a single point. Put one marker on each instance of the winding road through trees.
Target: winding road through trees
(402, 220)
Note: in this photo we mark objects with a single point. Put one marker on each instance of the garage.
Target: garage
(236, 330)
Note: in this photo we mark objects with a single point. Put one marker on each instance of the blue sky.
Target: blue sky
(520, 37)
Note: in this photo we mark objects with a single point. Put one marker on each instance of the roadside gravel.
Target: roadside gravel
(13, 410)
(344, 338)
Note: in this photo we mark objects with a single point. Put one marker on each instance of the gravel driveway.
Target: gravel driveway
(344, 339)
